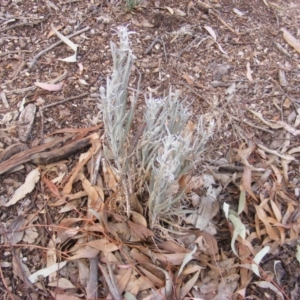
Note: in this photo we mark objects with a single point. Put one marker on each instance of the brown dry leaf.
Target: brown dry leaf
(169, 9)
(109, 176)
(172, 247)
(189, 79)
(189, 129)
(278, 175)
(140, 257)
(13, 233)
(196, 182)
(123, 281)
(246, 182)
(65, 231)
(143, 23)
(120, 230)
(264, 218)
(57, 296)
(156, 281)
(140, 231)
(138, 284)
(287, 103)
(51, 32)
(243, 155)
(189, 285)
(95, 140)
(62, 283)
(183, 182)
(291, 40)
(31, 234)
(276, 211)
(51, 87)
(84, 252)
(20, 270)
(51, 257)
(52, 187)
(138, 218)
(102, 245)
(175, 259)
(227, 287)
(110, 281)
(210, 243)
(95, 202)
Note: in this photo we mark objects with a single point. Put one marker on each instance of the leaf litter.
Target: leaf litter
(181, 257)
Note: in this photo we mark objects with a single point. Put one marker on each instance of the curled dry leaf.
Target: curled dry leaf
(291, 40)
(189, 79)
(51, 87)
(170, 10)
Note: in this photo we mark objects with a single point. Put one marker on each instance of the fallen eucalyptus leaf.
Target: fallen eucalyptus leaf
(27, 187)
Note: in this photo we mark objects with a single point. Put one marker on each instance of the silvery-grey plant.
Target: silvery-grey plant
(165, 151)
(117, 118)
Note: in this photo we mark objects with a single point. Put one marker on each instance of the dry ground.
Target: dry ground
(227, 58)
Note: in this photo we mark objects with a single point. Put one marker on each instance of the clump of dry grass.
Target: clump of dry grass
(168, 148)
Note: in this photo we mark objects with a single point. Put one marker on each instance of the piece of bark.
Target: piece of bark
(25, 122)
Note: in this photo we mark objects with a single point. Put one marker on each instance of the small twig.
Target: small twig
(222, 21)
(5, 285)
(23, 24)
(33, 87)
(110, 282)
(274, 152)
(65, 100)
(15, 51)
(69, 1)
(252, 125)
(157, 39)
(197, 94)
(21, 91)
(54, 45)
